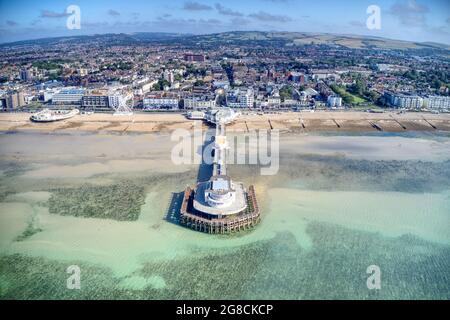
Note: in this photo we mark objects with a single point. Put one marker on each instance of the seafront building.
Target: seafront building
(334, 101)
(220, 205)
(47, 115)
(14, 100)
(274, 101)
(241, 99)
(437, 102)
(161, 103)
(199, 103)
(68, 96)
(95, 101)
(405, 101)
(117, 99)
(105, 99)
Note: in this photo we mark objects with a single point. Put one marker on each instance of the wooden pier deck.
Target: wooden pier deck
(198, 221)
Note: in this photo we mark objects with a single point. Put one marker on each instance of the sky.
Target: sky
(413, 20)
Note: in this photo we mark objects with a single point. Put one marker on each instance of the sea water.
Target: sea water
(339, 204)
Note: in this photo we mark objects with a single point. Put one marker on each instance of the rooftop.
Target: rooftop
(220, 184)
(238, 205)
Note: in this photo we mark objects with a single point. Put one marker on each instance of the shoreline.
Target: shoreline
(352, 121)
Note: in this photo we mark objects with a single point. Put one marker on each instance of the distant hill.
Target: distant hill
(243, 37)
(304, 38)
(109, 38)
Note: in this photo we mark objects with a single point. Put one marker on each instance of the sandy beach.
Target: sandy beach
(286, 121)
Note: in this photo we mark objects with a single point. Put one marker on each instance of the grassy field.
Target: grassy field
(365, 107)
(347, 96)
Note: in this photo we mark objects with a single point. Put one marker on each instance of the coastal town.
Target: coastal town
(120, 73)
(225, 158)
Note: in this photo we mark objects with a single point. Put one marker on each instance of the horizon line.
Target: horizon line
(224, 32)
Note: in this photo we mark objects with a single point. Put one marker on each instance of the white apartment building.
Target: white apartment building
(403, 101)
(161, 103)
(274, 101)
(409, 102)
(241, 99)
(117, 100)
(437, 102)
(334, 101)
(196, 103)
(48, 95)
(169, 76)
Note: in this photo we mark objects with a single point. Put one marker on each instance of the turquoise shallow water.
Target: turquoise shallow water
(337, 205)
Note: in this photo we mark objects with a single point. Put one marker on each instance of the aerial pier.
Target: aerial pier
(220, 205)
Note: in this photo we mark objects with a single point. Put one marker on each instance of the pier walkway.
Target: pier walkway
(217, 205)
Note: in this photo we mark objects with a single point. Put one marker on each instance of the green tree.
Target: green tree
(286, 93)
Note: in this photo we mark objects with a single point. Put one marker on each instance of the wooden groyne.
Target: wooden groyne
(375, 126)
(431, 125)
(336, 123)
(398, 122)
